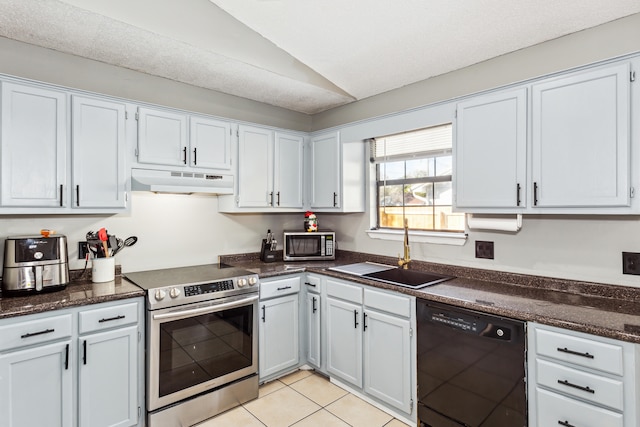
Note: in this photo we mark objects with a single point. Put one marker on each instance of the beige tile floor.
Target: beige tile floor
(304, 399)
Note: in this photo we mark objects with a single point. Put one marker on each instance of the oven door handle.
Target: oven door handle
(203, 310)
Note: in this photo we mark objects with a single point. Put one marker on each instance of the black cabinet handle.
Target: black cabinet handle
(579, 387)
(109, 319)
(61, 194)
(66, 358)
(335, 197)
(271, 197)
(518, 194)
(184, 155)
(565, 423)
(535, 194)
(310, 284)
(284, 287)
(313, 304)
(77, 195)
(278, 202)
(355, 318)
(33, 334)
(364, 325)
(264, 314)
(195, 156)
(575, 353)
(84, 352)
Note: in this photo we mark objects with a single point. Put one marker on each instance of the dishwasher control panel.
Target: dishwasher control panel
(485, 326)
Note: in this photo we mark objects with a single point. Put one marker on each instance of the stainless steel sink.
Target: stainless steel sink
(392, 275)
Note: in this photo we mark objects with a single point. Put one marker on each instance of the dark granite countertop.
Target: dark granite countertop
(599, 309)
(79, 292)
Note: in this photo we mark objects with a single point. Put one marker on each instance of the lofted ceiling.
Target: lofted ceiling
(302, 55)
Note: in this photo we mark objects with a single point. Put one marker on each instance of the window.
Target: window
(413, 180)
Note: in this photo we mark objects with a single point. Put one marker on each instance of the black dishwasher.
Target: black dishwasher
(471, 368)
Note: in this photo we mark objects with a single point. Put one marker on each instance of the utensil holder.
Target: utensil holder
(266, 254)
(103, 269)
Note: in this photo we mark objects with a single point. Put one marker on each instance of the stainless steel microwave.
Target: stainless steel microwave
(309, 246)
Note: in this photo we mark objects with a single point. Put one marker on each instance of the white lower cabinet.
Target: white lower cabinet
(370, 342)
(42, 356)
(278, 348)
(313, 321)
(580, 380)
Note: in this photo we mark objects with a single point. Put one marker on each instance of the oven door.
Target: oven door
(198, 347)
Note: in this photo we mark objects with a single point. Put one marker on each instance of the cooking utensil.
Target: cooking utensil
(103, 236)
(129, 241)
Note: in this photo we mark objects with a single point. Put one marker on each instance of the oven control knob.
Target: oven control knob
(253, 280)
(174, 292)
(499, 332)
(242, 282)
(160, 294)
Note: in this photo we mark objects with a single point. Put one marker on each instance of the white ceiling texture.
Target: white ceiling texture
(303, 55)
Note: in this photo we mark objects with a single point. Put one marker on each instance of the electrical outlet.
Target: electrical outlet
(630, 263)
(484, 249)
(83, 250)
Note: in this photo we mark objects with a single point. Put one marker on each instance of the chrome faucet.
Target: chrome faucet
(404, 262)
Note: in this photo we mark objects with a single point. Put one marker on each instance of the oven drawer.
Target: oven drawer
(556, 410)
(594, 388)
(580, 351)
(280, 287)
(35, 331)
(108, 317)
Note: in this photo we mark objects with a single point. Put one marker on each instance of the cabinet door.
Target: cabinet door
(344, 341)
(36, 386)
(255, 167)
(288, 171)
(325, 171)
(278, 340)
(580, 139)
(210, 143)
(490, 151)
(98, 142)
(162, 137)
(387, 359)
(313, 329)
(108, 383)
(34, 146)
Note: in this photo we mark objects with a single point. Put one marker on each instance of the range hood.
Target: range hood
(159, 181)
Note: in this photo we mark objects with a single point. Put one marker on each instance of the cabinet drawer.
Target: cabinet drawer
(345, 291)
(556, 410)
(594, 388)
(313, 284)
(580, 351)
(108, 317)
(35, 331)
(395, 304)
(276, 288)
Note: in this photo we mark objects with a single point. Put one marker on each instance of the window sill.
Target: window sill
(455, 239)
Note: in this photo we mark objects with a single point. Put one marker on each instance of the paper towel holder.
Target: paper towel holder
(495, 223)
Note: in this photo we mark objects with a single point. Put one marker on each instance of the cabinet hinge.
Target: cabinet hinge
(139, 336)
(139, 412)
(137, 116)
(126, 115)
(632, 76)
(411, 406)
(632, 192)
(136, 152)
(410, 332)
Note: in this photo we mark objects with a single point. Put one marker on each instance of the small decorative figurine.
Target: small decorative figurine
(310, 221)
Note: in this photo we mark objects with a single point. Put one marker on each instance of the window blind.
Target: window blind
(414, 144)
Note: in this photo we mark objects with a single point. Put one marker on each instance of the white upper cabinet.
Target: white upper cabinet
(287, 173)
(490, 151)
(325, 173)
(162, 137)
(34, 146)
(580, 139)
(255, 167)
(98, 141)
(210, 143)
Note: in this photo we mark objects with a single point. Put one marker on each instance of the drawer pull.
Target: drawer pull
(579, 387)
(575, 353)
(310, 284)
(565, 423)
(33, 334)
(109, 319)
(284, 288)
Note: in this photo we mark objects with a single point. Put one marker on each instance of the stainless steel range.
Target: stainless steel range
(202, 338)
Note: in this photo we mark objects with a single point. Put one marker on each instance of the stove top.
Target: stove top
(183, 285)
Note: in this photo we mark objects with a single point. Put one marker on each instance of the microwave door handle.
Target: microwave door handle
(204, 310)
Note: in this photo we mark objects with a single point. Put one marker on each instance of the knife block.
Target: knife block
(266, 254)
